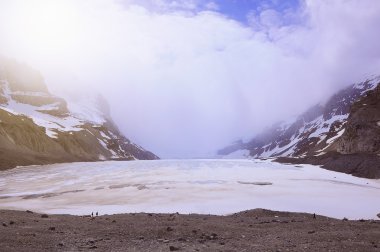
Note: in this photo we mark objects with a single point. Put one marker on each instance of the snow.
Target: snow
(103, 144)
(289, 148)
(318, 128)
(321, 153)
(50, 122)
(321, 127)
(86, 108)
(188, 186)
(114, 154)
(104, 135)
(291, 151)
(113, 135)
(39, 94)
(331, 140)
(49, 126)
(320, 123)
(373, 81)
(82, 109)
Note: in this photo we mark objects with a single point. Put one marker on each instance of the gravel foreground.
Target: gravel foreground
(254, 230)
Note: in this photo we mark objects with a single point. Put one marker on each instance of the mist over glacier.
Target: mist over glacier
(185, 80)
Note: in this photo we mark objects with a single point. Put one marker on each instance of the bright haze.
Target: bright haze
(187, 77)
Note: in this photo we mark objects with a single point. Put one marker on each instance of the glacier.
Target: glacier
(187, 186)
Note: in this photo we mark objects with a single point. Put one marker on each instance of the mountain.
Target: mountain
(37, 127)
(342, 135)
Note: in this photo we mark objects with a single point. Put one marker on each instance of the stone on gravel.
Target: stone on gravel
(44, 216)
(173, 248)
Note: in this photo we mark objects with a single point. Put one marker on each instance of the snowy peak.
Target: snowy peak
(89, 107)
(39, 124)
(44, 109)
(314, 133)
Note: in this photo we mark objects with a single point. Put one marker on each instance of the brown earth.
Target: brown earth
(255, 230)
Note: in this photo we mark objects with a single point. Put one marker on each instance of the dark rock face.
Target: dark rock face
(342, 135)
(362, 133)
(360, 165)
(42, 137)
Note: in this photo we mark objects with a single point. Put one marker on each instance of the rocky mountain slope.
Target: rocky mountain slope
(37, 127)
(343, 134)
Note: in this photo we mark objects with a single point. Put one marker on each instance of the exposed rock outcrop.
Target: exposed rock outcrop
(362, 130)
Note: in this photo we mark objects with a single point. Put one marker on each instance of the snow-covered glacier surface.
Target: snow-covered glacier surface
(187, 186)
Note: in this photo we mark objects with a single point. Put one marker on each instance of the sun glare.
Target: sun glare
(50, 25)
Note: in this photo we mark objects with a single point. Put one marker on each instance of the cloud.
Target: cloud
(182, 78)
(164, 6)
(212, 6)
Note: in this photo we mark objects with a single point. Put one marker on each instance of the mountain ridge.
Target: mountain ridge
(37, 127)
(342, 132)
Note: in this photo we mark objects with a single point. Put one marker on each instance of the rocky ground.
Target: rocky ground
(255, 230)
(359, 165)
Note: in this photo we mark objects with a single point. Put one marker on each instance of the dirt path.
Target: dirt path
(255, 230)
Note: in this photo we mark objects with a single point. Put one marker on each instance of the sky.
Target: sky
(185, 78)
